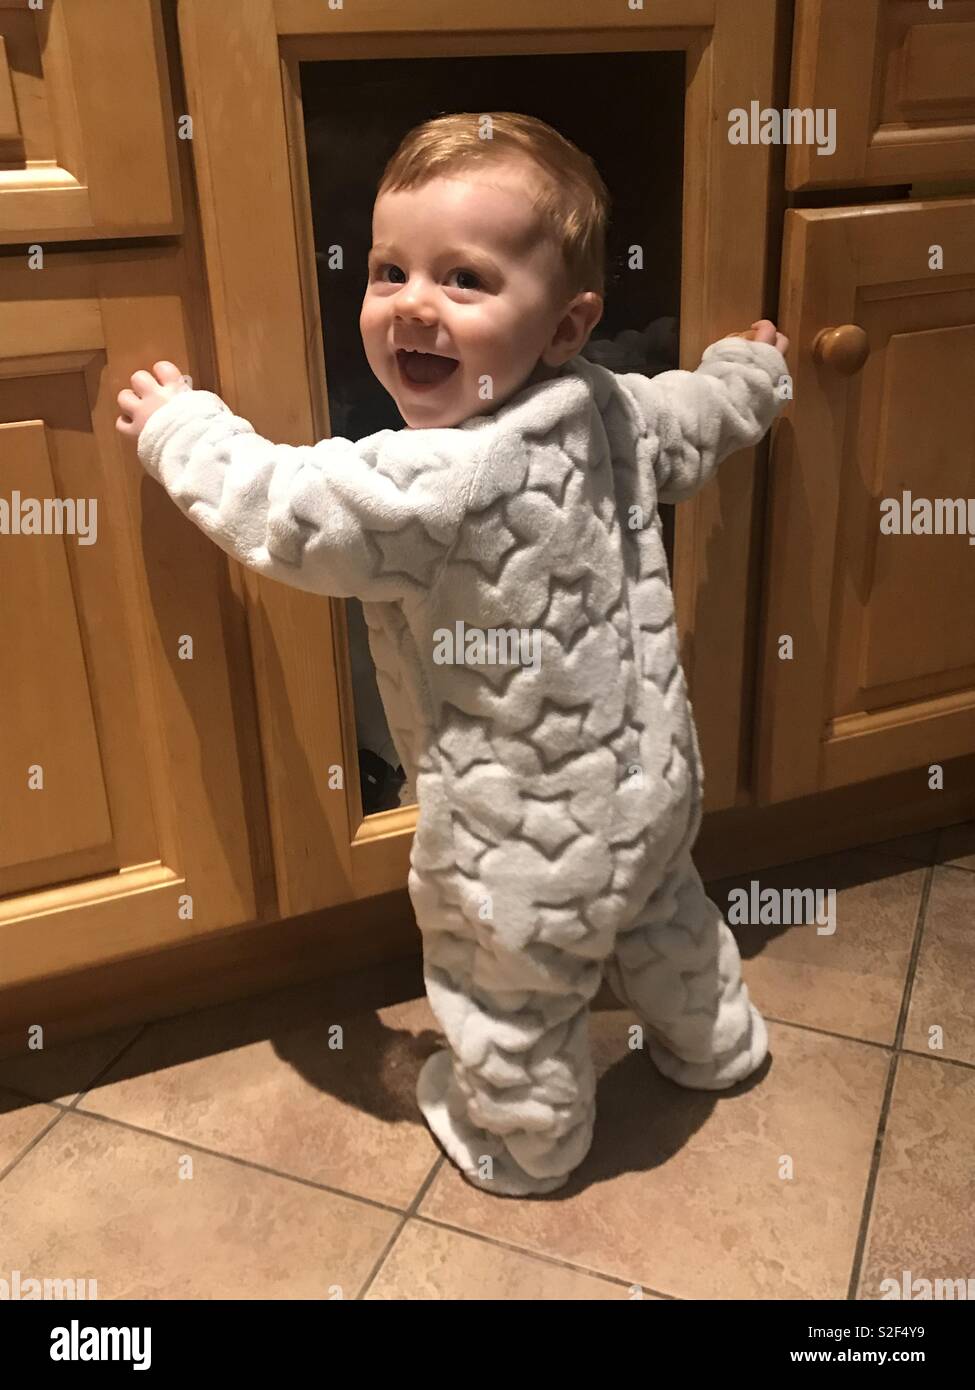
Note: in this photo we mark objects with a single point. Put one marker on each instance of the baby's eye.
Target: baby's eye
(471, 276)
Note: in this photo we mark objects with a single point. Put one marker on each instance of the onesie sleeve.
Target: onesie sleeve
(698, 418)
(371, 520)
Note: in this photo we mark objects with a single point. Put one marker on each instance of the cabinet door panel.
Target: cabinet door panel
(50, 743)
(914, 432)
(87, 138)
(136, 735)
(877, 600)
(900, 78)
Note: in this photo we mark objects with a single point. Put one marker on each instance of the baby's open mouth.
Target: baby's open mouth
(425, 368)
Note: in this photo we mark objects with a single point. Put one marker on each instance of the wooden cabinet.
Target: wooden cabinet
(879, 302)
(122, 814)
(250, 153)
(213, 779)
(87, 131)
(898, 77)
(881, 672)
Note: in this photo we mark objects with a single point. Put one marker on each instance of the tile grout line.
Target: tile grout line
(410, 1211)
(941, 1061)
(34, 1141)
(84, 1090)
(866, 1212)
(922, 915)
(61, 1109)
(511, 1248)
(859, 1251)
(824, 1032)
(189, 1144)
(869, 1042)
(248, 1163)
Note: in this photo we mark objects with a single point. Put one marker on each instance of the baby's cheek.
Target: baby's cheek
(369, 320)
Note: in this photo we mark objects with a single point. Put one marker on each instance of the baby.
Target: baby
(558, 798)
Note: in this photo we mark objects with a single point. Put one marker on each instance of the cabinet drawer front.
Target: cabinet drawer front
(87, 142)
(900, 78)
(872, 500)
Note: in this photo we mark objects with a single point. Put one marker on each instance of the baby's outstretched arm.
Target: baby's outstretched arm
(693, 420)
(371, 520)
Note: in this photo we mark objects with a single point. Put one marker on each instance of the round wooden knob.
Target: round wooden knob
(844, 349)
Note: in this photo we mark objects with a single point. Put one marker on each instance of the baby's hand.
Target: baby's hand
(149, 394)
(764, 331)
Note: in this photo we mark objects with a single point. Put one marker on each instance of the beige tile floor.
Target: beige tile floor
(273, 1148)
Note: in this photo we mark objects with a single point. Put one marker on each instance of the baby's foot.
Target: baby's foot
(725, 1070)
(468, 1147)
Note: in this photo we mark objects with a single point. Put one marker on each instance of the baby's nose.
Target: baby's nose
(416, 310)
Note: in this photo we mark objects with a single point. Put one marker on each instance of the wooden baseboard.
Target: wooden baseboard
(744, 838)
(232, 965)
(259, 958)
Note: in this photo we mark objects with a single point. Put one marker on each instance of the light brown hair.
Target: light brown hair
(570, 197)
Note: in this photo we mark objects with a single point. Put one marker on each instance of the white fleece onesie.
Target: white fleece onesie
(559, 783)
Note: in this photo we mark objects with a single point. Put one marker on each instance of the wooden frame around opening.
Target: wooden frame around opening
(241, 67)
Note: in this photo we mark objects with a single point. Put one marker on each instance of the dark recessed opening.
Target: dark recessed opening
(625, 110)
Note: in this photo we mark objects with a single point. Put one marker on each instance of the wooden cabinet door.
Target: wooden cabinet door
(122, 826)
(881, 675)
(87, 134)
(242, 66)
(899, 79)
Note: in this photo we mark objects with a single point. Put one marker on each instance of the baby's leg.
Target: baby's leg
(678, 967)
(512, 1100)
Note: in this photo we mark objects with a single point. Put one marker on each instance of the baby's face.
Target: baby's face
(459, 268)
